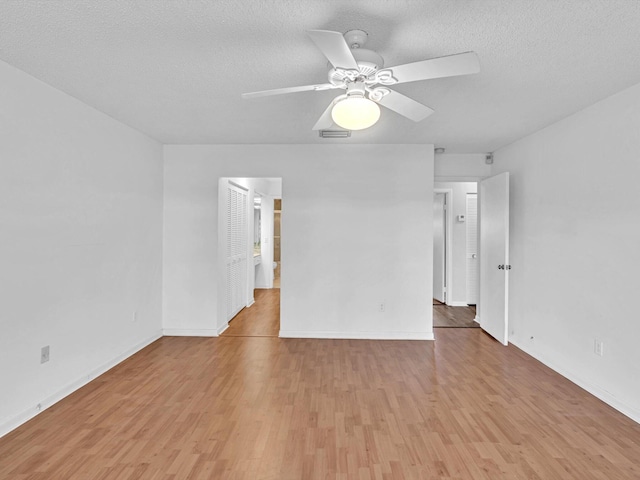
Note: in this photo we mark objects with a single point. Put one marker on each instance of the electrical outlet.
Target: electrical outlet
(381, 307)
(44, 354)
(598, 347)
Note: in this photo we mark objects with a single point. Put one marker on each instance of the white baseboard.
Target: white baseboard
(457, 304)
(222, 328)
(190, 332)
(595, 390)
(45, 403)
(358, 335)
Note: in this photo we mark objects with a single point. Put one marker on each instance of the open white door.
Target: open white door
(494, 256)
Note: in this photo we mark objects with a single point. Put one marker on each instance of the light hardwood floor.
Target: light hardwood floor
(462, 407)
(262, 319)
(456, 317)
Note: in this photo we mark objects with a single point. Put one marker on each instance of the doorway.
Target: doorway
(453, 246)
(247, 229)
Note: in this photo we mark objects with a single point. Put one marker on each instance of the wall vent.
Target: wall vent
(335, 133)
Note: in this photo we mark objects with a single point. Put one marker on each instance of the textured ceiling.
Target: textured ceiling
(175, 69)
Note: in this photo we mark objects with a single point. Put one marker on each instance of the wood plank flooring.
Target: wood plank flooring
(462, 407)
(457, 317)
(262, 319)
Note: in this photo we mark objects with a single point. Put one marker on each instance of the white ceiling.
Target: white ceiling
(175, 69)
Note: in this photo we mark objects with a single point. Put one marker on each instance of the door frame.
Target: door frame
(477, 180)
(448, 228)
(266, 192)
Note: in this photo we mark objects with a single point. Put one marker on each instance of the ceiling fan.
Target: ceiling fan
(362, 74)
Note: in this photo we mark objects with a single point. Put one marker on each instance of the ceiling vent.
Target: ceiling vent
(335, 133)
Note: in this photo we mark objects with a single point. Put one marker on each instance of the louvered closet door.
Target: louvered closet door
(236, 251)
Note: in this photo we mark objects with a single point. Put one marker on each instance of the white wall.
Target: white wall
(458, 206)
(356, 232)
(80, 243)
(575, 237)
(462, 167)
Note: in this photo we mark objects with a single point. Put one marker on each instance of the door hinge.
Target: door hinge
(504, 267)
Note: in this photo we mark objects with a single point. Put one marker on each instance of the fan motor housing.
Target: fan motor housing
(368, 61)
(367, 56)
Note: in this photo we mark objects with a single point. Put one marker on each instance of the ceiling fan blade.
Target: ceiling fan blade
(334, 47)
(449, 66)
(280, 91)
(325, 121)
(405, 106)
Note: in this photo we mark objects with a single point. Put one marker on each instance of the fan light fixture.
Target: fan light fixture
(355, 113)
(361, 72)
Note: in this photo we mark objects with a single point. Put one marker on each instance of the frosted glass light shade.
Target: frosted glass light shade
(355, 113)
